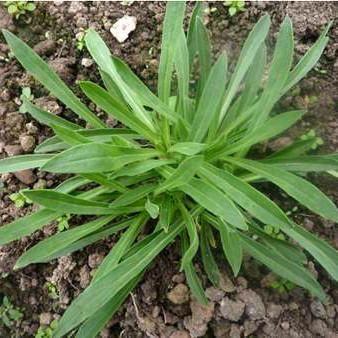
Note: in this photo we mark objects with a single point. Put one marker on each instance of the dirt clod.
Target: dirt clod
(179, 294)
(254, 306)
(232, 310)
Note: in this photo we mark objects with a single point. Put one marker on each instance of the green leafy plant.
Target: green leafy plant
(52, 290)
(18, 8)
(9, 314)
(19, 199)
(235, 6)
(311, 135)
(181, 168)
(26, 94)
(282, 285)
(47, 332)
(62, 223)
(80, 41)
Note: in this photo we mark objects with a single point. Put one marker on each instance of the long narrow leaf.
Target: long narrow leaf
(51, 245)
(182, 175)
(283, 267)
(171, 29)
(101, 54)
(251, 45)
(44, 74)
(192, 249)
(96, 157)
(207, 109)
(300, 189)
(21, 162)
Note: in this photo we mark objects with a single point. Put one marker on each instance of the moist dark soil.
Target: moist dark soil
(161, 306)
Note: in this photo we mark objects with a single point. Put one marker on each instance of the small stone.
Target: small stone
(123, 27)
(27, 142)
(269, 328)
(232, 310)
(45, 318)
(274, 310)
(200, 312)
(308, 224)
(178, 278)
(81, 22)
(317, 309)
(94, 260)
(214, 294)
(285, 325)
(226, 283)
(46, 47)
(62, 66)
(197, 323)
(235, 331)
(280, 143)
(196, 329)
(40, 184)
(319, 327)
(31, 128)
(179, 294)
(12, 150)
(250, 327)
(84, 276)
(255, 307)
(49, 104)
(75, 7)
(25, 176)
(14, 120)
(242, 283)
(180, 334)
(312, 269)
(330, 310)
(87, 62)
(293, 306)
(156, 311)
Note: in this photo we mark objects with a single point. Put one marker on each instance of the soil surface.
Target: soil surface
(161, 306)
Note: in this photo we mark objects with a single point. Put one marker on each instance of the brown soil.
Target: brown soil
(161, 305)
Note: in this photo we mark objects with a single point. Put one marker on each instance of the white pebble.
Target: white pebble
(122, 27)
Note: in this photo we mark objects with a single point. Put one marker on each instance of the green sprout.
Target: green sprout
(282, 285)
(80, 42)
(26, 94)
(18, 8)
(311, 135)
(62, 223)
(52, 290)
(274, 232)
(47, 332)
(19, 199)
(235, 6)
(9, 314)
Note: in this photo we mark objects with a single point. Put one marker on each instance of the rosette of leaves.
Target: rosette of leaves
(18, 8)
(181, 167)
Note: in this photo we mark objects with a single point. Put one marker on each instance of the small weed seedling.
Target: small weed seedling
(311, 135)
(47, 332)
(282, 285)
(18, 8)
(62, 223)
(19, 199)
(9, 314)
(52, 290)
(80, 42)
(26, 95)
(235, 6)
(182, 168)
